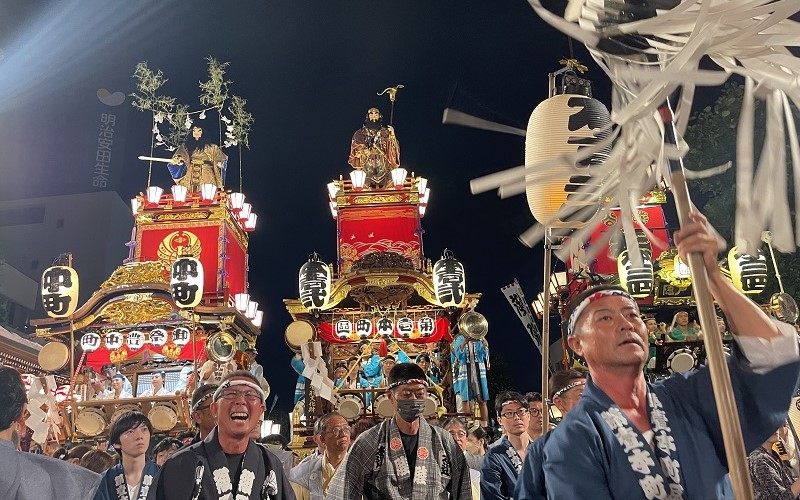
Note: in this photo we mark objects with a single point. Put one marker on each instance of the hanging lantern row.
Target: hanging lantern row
(314, 283)
(449, 280)
(384, 326)
(154, 195)
(135, 339)
(249, 308)
(358, 178)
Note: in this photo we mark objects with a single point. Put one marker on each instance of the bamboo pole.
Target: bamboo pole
(720, 378)
(546, 332)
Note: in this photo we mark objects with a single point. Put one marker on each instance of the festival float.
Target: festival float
(383, 301)
(179, 304)
(604, 238)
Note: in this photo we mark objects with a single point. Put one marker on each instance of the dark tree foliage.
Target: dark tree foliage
(711, 136)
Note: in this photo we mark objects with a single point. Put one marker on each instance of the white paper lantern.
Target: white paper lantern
(181, 336)
(448, 280)
(158, 337)
(314, 282)
(90, 341)
(134, 340)
(405, 326)
(59, 291)
(186, 282)
(363, 328)
(560, 126)
(113, 340)
(426, 326)
(343, 328)
(385, 326)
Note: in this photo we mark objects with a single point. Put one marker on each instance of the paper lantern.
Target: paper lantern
(186, 282)
(180, 336)
(680, 268)
(134, 340)
(638, 281)
(426, 326)
(560, 126)
(363, 328)
(158, 337)
(314, 283)
(343, 328)
(405, 327)
(748, 272)
(385, 326)
(179, 193)
(448, 280)
(59, 291)
(113, 340)
(90, 341)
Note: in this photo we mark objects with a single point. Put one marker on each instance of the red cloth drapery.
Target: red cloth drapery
(102, 356)
(441, 331)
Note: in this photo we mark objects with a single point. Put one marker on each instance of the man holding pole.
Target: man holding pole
(630, 439)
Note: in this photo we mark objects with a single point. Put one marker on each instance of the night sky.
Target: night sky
(309, 71)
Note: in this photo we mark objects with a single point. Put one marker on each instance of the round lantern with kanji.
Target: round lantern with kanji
(449, 280)
(559, 127)
(186, 282)
(314, 282)
(59, 291)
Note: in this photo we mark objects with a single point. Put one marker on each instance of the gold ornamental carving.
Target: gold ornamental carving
(425, 291)
(177, 244)
(338, 295)
(382, 281)
(138, 297)
(378, 198)
(132, 313)
(139, 272)
(666, 269)
(85, 321)
(118, 355)
(181, 216)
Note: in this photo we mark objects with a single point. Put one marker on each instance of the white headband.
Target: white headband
(573, 318)
(230, 383)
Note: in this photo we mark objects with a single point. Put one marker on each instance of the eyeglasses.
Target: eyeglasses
(233, 395)
(535, 411)
(458, 433)
(515, 414)
(340, 431)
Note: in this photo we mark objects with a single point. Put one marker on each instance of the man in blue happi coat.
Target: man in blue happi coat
(630, 439)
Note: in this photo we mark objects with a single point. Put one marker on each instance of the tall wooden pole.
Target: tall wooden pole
(720, 377)
(546, 332)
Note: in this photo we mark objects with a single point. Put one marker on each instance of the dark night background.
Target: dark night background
(309, 70)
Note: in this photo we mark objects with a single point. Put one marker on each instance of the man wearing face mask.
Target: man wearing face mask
(403, 457)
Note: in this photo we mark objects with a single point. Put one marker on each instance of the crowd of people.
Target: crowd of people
(619, 436)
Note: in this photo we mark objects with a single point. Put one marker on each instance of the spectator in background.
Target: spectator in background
(164, 449)
(203, 417)
(186, 437)
(771, 476)
(502, 463)
(360, 426)
(535, 406)
(75, 453)
(27, 476)
(134, 475)
(98, 461)
(476, 441)
(60, 453)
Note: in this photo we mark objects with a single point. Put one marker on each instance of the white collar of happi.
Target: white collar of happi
(121, 485)
(511, 453)
(661, 481)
